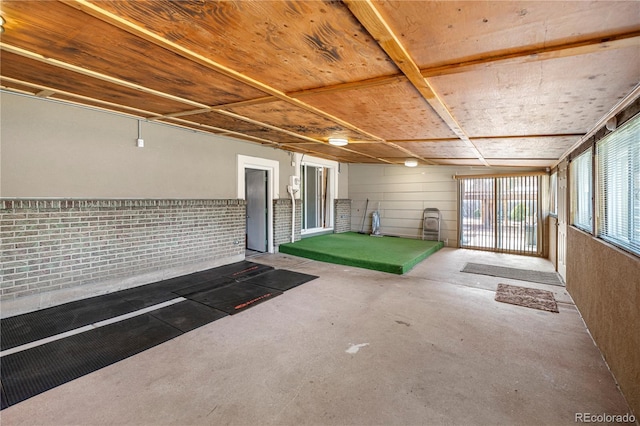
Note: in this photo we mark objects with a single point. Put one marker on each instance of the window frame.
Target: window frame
(553, 193)
(581, 179)
(609, 149)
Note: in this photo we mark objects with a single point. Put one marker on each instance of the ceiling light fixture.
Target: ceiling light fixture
(411, 162)
(338, 141)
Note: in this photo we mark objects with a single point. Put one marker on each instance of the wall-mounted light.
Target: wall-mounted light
(612, 124)
(140, 141)
(2, 22)
(338, 141)
(411, 162)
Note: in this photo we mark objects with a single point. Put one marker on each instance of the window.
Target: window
(314, 195)
(318, 189)
(501, 213)
(619, 186)
(582, 210)
(553, 193)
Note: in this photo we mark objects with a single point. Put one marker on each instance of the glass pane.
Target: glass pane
(619, 186)
(500, 214)
(581, 189)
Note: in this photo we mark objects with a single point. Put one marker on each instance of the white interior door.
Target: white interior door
(563, 217)
(256, 196)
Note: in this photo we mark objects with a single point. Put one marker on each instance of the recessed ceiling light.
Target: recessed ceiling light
(411, 162)
(338, 141)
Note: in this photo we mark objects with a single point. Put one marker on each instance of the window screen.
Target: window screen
(581, 189)
(619, 186)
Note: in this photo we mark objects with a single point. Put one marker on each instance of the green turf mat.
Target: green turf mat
(387, 254)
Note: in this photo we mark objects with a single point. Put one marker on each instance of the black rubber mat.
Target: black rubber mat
(33, 371)
(187, 315)
(542, 277)
(235, 297)
(212, 294)
(242, 270)
(26, 328)
(211, 284)
(3, 398)
(146, 295)
(37, 325)
(280, 279)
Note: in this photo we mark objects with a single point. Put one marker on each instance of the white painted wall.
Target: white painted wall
(403, 193)
(52, 150)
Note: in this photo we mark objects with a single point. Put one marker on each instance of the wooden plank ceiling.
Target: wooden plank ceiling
(458, 83)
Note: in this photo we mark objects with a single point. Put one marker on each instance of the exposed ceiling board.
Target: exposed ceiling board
(392, 111)
(463, 30)
(439, 149)
(222, 121)
(292, 118)
(25, 69)
(225, 124)
(524, 147)
(342, 154)
(287, 45)
(458, 162)
(98, 46)
(566, 95)
(274, 136)
(18, 87)
(422, 79)
(377, 150)
(533, 163)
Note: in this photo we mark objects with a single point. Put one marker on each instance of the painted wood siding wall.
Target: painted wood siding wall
(403, 193)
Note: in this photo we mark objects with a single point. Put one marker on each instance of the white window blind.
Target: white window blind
(581, 188)
(619, 186)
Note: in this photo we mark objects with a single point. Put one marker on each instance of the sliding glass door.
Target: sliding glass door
(315, 198)
(501, 214)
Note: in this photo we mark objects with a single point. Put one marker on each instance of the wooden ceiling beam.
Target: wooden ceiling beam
(353, 85)
(367, 14)
(311, 151)
(296, 135)
(423, 140)
(93, 74)
(265, 125)
(583, 47)
(183, 113)
(249, 102)
(106, 16)
(555, 135)
(45, 93)
(220, 131)
(38, 88)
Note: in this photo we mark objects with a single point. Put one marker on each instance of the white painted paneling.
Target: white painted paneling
(404, 193)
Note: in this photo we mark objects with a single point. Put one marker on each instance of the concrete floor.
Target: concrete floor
(358, 347)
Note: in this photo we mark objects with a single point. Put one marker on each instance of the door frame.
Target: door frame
(257, 199)
(273, 183)
(332, 188)
(563, 218)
